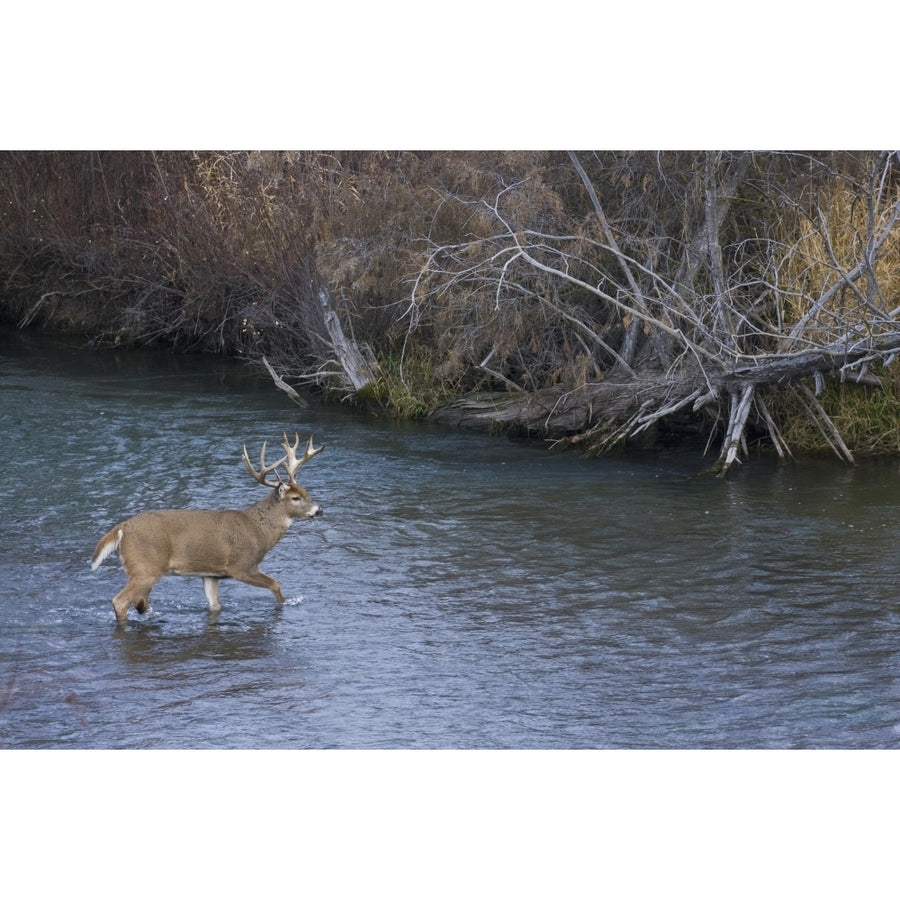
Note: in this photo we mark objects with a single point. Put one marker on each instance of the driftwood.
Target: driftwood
(617, 408)
(552, 411)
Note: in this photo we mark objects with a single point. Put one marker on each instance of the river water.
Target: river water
(460, 591)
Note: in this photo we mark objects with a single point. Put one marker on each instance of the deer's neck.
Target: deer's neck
(270, 517)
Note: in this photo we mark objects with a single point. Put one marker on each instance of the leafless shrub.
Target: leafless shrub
(685, 281)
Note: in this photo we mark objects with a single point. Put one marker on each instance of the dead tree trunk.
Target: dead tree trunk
(356, 361)
(350, 367)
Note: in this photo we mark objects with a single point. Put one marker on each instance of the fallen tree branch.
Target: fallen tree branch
(778, 441)
(281, 384)
(826, 426)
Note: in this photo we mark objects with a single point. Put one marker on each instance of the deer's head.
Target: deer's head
(290, 496)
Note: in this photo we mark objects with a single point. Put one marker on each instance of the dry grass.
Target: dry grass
(826, 237)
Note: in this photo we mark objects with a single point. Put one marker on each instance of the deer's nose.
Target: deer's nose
(318, 511)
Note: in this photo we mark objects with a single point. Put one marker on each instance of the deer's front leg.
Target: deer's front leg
(260, 579)
(211, 589)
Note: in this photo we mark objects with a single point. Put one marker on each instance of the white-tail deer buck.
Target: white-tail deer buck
(210, 543)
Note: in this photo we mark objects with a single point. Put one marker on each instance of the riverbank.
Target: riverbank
(594, 300)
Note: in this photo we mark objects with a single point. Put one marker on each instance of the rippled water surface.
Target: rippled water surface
(460, 590)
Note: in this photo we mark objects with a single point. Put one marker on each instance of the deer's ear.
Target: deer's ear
(282, 490)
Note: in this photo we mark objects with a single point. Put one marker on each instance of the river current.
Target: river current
(460, 591)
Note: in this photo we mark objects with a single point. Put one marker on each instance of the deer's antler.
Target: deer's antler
(264, 470)
(291, 454)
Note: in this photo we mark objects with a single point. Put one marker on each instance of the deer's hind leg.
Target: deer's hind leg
(136, 593)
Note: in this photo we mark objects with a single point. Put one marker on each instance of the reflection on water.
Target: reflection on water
(461, 591)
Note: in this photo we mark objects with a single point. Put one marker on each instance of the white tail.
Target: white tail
(211, 544)
(107, 546)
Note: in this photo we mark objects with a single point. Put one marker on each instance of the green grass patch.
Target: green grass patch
(867, 417)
